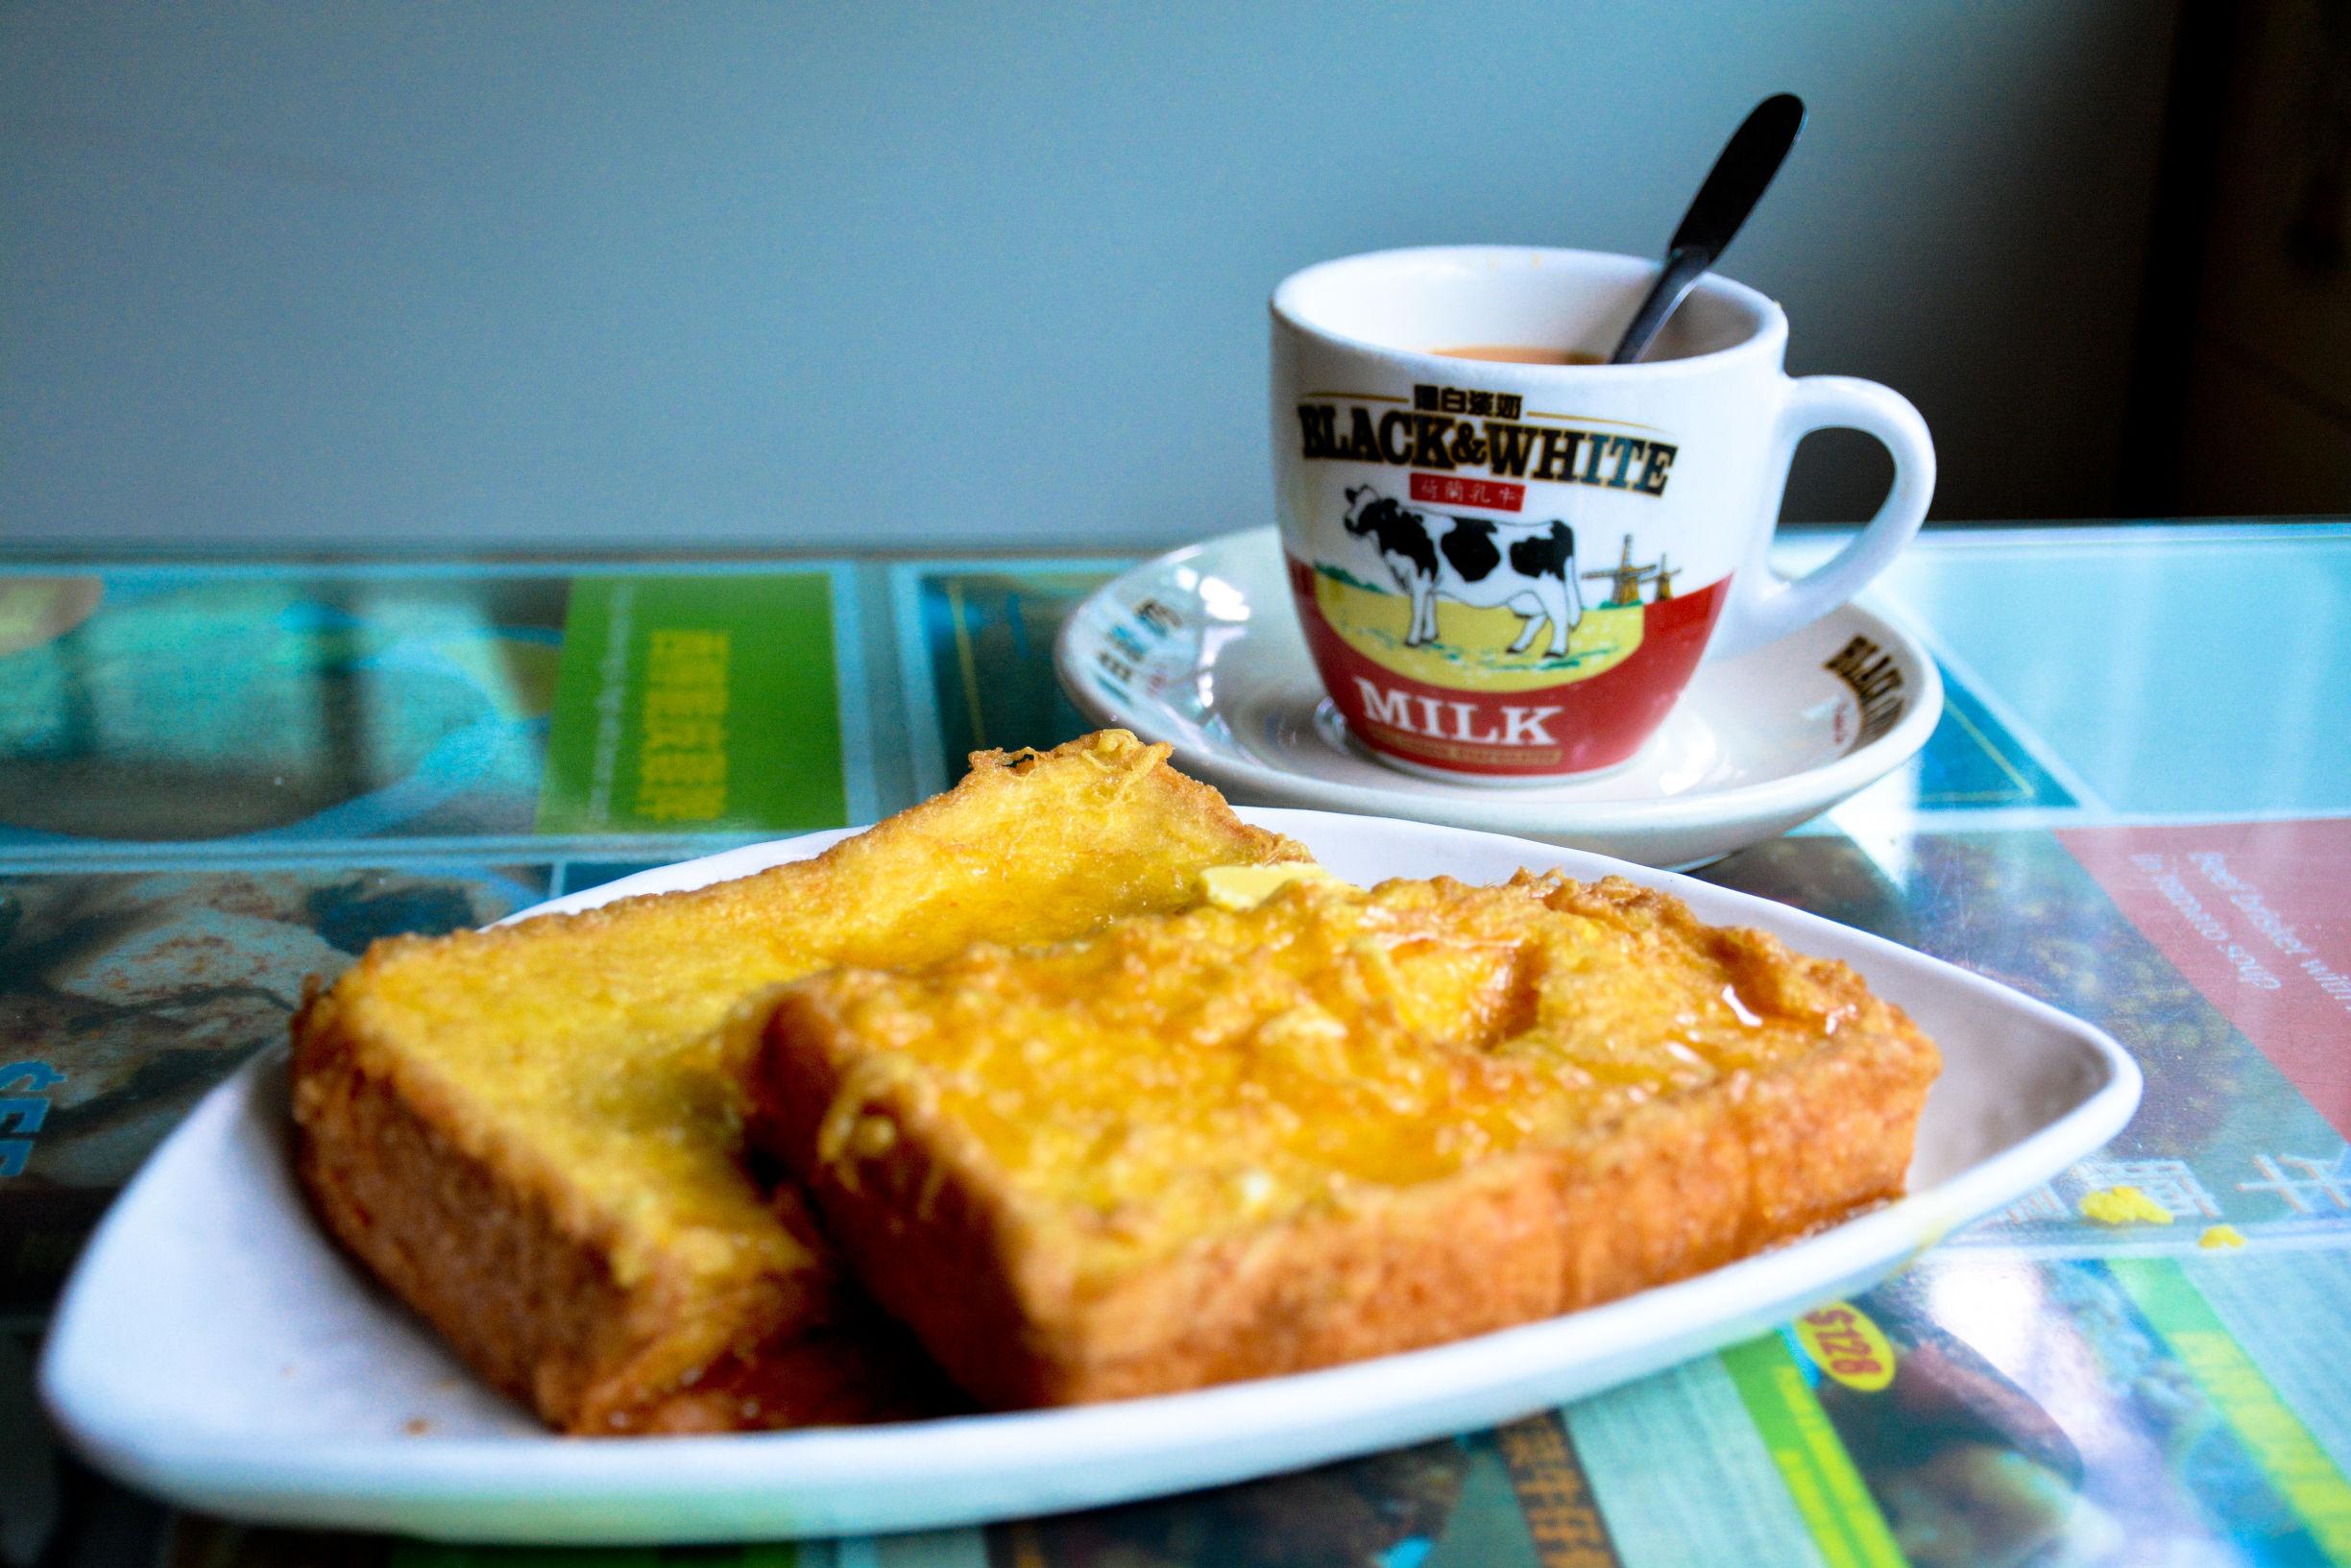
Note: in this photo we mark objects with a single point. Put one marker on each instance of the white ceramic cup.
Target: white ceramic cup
(1507, 572)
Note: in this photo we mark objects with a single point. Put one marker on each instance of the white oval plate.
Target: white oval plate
(1218, 668)
(213, 1348)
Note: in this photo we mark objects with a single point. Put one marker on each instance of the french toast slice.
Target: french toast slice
(533, 1134)
(1222, 1145)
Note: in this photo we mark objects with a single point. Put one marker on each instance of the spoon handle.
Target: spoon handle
(1684, 265)
(1732, 188)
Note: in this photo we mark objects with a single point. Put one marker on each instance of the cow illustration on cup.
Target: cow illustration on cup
(1528, 568)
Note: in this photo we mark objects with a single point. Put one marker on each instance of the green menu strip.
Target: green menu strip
(1828, 1490)
(2311, 1483)
(695, 704)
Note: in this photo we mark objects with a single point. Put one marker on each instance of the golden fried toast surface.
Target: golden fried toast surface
(1223, 1144)
(533, 1133)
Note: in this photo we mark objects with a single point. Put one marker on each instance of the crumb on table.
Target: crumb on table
(2124, 1206)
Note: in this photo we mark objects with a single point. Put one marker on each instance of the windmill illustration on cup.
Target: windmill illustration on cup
(1625, 576)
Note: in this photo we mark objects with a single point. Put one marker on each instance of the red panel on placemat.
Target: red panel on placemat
(2258, 915)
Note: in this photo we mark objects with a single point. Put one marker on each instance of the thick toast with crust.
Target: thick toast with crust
(533, 1134)
(1224, 1144)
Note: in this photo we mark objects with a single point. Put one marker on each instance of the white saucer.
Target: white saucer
(1201, 649)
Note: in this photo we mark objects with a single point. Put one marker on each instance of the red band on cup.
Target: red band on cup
(1575, 727)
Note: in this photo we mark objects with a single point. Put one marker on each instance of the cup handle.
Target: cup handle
(1766, 608)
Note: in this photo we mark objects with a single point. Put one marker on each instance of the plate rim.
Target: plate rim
(1503, 809)
(338, 1480)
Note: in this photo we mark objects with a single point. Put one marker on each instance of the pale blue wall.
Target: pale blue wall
(968, 272)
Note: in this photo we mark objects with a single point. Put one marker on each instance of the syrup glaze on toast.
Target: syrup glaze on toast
(533, 1134)
(1229, 1143)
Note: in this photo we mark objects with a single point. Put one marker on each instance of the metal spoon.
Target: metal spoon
(1733, 186)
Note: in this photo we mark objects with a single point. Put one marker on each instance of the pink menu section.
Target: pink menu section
(2258, 915)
